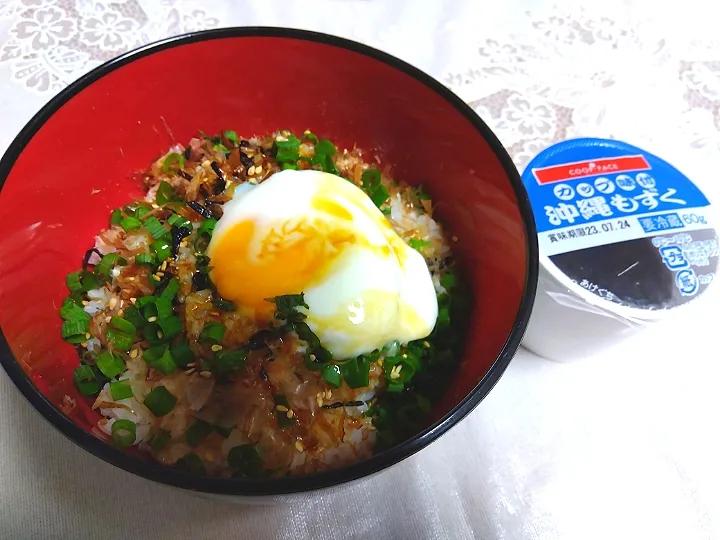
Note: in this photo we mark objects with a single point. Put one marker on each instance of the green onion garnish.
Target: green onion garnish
(219, 147)
(86, 381)
(120, 390)
(159, 440)
(331, 375)
(418, 244)
(287, 151)
(245, 459)
(291, 166)
(197, 432)
(123, 325)
(160, 401)
(174, 161)
(133, 316)
(207, 227)
(153, 334)
(123, 432)
(324, 151)
(75, 330)
(373, 186)
(141, 211)
(160, 358)
(130, 223)
(72, 312)
(182, 354)
(165, 194)
(106, 264)
(170, 326)
(110, 364)
(155, 228)
(311, 137)
(119, 340)
(356, 372)
(281, 414)
(226, 361)
(146, 259)
(171, 289)
(317, 358)
(161, 249)
(176, 220)
(212, 333)
(116, 217)
(191, 463)
(158, 308)
(231, 136)
(449, 281)
(82, 281)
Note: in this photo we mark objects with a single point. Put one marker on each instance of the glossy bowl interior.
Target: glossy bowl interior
(75, 161)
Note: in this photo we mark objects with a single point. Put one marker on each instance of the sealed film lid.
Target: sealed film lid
(622, 232)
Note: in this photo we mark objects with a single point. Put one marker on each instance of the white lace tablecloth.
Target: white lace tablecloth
(623, 445)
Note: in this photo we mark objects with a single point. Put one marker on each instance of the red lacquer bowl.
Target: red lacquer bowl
(74, 162)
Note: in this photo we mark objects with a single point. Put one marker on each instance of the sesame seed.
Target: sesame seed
(251, 170)
(190, 371)
(155, 206)
(163, 266)
(290, 413)
(85, 302)
(108, 319)
(380, 362)
(87, 335)
(152, 319)
(159, 334)
(206, 163)
(84, 344)
(258, 168)
(121, 312)
(133, 300)
(299, 446)
(280, 138)
(395, 372)
(426, 344)
(404, 355)
(328, 394)
(183, 243)
(319, 401)
(131, 279)
(252, 181)
(313, 357)
(205, 374)
(113, 302)
(160, 274)
(216, 348)
(133, 353)
(282, 408)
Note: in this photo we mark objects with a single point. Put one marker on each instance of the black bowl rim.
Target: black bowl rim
(280, 486)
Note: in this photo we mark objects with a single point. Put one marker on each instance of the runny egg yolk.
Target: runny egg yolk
(316, 233)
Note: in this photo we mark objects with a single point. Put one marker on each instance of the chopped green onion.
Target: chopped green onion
(288, 150)
(173, 160)
(171, 289)
(82, 281)
(324, 151)
(182, 353)
(331, 375)
(116, 217)
(229, 360)
(176, 220)
(132, 315)
(356, 372)
(449, 281)
(197, 432)
(160, 401)
(165, 194)
(73, 298)
(316, 359)
(143, 301)
(155, 228)
(394, 386)
(311, 137)
(123, 325)
(120, 390)
(153, 334)
(443, 318)
(141, 211)
(70, 311)
(212, 333)
(281, 416)
(130, 223)
(418, 244)
(147, 259)
(308, 336)
(110, 364)
(170, 326)
(191, 463)
(160, 358)
(291, 166)
(161, 249)
(231, 136)
(123, 432)
(245, 459)
(75, 330)
(159, 440)
(86, 381)
(286, 305)
(219, 147)
(159, 308)
(103, 268)
(380, 196)
(207, 227)
(119, 340)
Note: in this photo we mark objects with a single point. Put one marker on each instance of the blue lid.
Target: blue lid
(622, 223)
